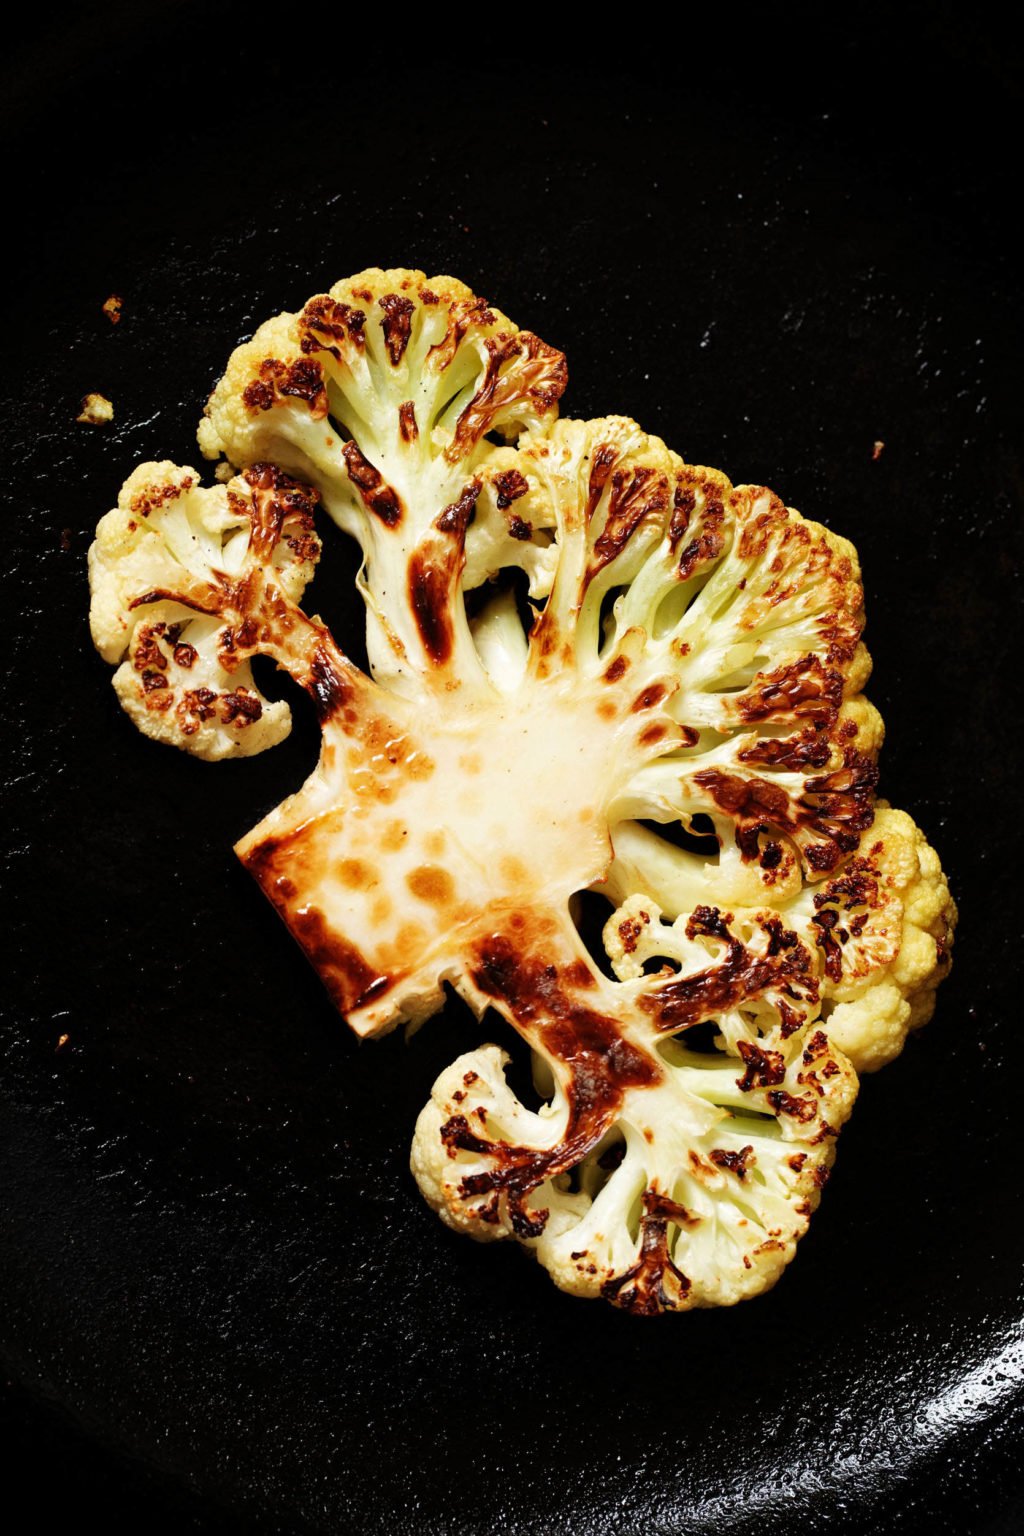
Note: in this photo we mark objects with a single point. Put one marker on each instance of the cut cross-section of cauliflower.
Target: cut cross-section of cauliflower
(594, 667)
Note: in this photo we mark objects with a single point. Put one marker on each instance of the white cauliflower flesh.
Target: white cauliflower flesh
(673, 718)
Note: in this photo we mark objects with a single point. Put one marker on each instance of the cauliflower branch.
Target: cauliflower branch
(677, 723)
(188, 585)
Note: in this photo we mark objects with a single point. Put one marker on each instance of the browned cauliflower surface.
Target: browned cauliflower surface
(654, 692)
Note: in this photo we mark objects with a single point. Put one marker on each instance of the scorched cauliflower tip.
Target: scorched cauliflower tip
(679, 726)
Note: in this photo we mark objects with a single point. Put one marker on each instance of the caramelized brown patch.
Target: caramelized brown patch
(329, 326)
(842, 802)
(196, 706)
(520, 370)
(601, 462)
(378, 497)
(843, 909)
(733, 1162)
(396, 325)
(463, 315)
(509, 485)
(708, 544)
(394, 836)
(407, 422)
(279, 507)
(683, 502)
(616, 669)
(650, 697)
(240, 708)
(660, 1206)
(834, 808)
(428, 594)
(637, 496)
(784, 1103)
(456, 518)
(213, 603)
(328, 688)
(349, 978)
(146, 649)
(513, 871)
(432, 884)
(762, 526)
(792, 754)
(830, 940)
(755, 804)
(654, 1283)
(803, 690)
(356, 874)
(150, 497)
(740, 976)
(278, 382)
(542, 999)
(629, 933)
(763, 1068)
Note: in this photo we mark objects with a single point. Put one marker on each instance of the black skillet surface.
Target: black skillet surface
(223, 1302)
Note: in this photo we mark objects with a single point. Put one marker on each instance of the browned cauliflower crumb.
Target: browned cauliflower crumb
(95, 411)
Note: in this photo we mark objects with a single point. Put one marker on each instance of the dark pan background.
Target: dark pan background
(223, 1306)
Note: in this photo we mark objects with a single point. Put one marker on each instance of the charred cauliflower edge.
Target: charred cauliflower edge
(692, 660)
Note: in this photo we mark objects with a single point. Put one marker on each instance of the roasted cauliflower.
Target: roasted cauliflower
(655, 694)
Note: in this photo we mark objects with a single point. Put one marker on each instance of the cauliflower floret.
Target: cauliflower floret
(884, 984)
(694, 1192)
(594, 667)
(386, 394)
(181, 578)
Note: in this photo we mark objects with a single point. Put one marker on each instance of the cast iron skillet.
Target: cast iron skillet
(214, 1266)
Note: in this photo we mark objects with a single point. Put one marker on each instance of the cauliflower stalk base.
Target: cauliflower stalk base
(676, 723)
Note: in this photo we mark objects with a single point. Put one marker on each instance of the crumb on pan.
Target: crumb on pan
(95, 411)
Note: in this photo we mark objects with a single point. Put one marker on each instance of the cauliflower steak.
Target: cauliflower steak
(593, 667)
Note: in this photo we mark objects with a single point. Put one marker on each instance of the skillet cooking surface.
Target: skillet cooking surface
(213, 1259)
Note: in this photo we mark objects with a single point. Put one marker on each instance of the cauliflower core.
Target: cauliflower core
(594, 667)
